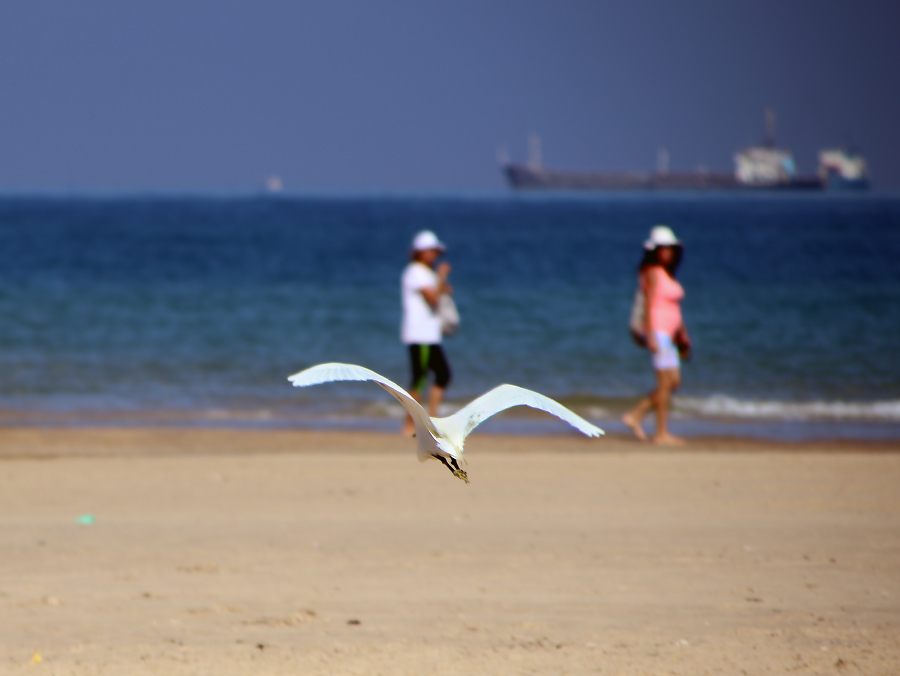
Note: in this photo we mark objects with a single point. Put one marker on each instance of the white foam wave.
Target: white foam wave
(385, 409)
(721, 406)
(228, 414)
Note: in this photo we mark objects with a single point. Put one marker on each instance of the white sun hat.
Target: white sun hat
(427, 240)
(661, 235)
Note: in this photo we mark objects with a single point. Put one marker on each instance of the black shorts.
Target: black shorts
(425, 358)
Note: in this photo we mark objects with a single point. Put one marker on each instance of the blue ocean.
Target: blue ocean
(193, 309)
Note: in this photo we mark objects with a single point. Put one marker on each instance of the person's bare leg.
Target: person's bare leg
(409, 427)
(634, 416)
(669, 380)
(435, 397)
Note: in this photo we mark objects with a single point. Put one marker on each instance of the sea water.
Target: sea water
(193, 309)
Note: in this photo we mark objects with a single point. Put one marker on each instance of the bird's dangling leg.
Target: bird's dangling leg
(454, 469)
(443, 460)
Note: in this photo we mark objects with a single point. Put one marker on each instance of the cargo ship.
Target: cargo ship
(762, 167)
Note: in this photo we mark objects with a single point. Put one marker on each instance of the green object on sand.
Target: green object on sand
(86, 519)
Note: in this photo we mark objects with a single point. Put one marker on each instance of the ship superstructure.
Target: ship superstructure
(768, 166)
(843, 170)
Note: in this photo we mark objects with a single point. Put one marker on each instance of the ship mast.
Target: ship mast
(662, 161)
(770, 129)
(534, 151)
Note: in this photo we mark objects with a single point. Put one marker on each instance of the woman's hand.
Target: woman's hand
(683, 342)
(443, 271)
(652, 345)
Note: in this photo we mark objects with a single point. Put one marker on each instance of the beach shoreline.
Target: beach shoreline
(23, 442)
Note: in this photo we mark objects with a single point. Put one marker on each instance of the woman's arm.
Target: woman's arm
(649, 285)
(432, 296)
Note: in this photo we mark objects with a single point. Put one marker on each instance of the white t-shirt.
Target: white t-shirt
(421, 324)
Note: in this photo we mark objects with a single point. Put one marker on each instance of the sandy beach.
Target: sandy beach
(300, 552)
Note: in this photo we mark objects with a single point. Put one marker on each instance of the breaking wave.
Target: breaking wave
(721, 406)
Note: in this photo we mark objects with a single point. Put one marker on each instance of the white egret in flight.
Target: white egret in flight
(443, 438)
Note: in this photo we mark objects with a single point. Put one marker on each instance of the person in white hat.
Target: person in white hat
(664, 331)
(422, 286)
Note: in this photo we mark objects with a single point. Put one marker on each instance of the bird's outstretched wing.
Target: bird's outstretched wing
(458, 425)
(327, 373)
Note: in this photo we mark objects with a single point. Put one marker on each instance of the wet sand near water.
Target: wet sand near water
(299, 552)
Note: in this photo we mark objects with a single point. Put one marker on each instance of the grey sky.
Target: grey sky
(401, 94)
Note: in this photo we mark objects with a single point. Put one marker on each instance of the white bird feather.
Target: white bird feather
(446, 436)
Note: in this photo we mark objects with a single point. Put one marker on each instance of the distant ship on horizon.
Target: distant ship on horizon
(762, 167)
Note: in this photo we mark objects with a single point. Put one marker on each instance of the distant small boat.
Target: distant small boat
(274, 184)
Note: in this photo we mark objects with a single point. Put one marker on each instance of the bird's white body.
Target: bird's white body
(446, 436)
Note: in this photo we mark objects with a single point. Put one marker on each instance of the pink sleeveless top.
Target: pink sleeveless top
(665, 306)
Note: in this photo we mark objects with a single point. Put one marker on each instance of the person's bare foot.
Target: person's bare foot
(409, 429)
(635, 426)
(668, 440)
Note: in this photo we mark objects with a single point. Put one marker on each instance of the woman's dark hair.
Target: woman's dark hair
(651, 257)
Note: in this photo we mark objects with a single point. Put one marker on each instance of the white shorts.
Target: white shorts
(666, 357)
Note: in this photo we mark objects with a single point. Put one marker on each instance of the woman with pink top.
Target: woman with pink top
(666, 335)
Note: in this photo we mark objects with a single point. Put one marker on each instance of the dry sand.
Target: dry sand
(244, 552)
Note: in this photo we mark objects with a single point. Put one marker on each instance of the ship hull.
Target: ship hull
(524, 177)
(840, 183)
